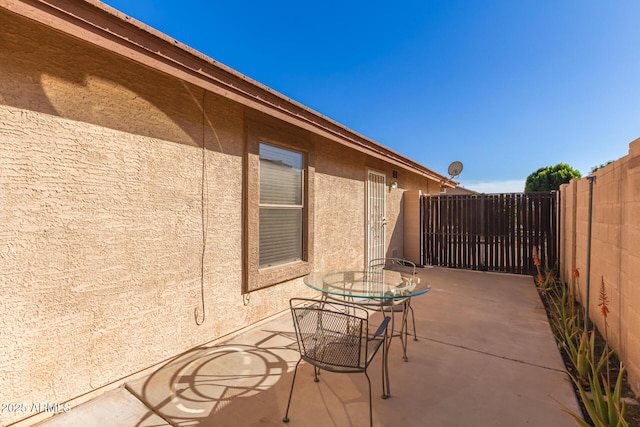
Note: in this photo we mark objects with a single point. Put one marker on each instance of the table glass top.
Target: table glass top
(370, 283)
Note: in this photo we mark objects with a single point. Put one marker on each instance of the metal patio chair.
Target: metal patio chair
(402, 305)
(335, 337)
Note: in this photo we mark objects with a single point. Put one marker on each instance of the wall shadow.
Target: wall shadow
(53, 73)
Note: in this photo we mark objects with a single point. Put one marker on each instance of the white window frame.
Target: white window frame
(289, 207)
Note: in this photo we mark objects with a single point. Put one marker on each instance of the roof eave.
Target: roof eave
(101, 25)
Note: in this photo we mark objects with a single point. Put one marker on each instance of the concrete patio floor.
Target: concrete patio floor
(485, 356)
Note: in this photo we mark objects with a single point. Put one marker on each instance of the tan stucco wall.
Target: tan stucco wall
(117, 228)
(615, 251)
(412, 201)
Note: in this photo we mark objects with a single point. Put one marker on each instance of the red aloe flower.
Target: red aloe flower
(536, 260)
(604, 299)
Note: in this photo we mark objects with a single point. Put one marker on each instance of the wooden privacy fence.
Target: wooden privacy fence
(489, 232)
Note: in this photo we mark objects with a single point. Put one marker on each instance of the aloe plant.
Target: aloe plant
(564, 319)
(566, 325)
(583, 356)
(604, 409)
(603, 360)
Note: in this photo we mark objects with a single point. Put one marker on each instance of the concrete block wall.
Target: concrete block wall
(615, 251)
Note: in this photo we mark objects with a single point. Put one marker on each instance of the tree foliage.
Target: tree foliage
(550, 178)
(595, 168)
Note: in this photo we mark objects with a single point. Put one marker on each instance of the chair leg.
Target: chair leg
(404, 334)
(370, 403)
(316, 372)
(386, 389)
(413, 319)
(286, 414)
(404, 331)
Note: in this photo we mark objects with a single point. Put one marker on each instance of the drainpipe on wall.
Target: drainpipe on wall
(591, 179)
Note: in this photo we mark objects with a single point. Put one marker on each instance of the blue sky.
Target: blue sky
(505, 87)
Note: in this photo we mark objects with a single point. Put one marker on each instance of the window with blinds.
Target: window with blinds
(281, 206)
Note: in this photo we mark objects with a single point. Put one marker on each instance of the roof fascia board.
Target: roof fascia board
(101, 25)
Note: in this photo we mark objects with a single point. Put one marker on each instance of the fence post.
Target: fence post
(591, 179)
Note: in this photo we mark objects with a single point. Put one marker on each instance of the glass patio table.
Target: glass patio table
(379, 289)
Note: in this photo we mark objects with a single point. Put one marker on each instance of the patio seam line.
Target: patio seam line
(151, 408)
(495, 355)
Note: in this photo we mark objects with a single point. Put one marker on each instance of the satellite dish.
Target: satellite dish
(454, 169)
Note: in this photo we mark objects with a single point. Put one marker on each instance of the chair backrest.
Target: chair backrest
(390, 263)
(331, 334)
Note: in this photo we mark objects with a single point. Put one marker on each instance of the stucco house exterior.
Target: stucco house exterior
(153, 200)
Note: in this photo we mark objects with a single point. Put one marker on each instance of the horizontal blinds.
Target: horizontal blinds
(280, 184)
(280, 236)
(281, 206)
